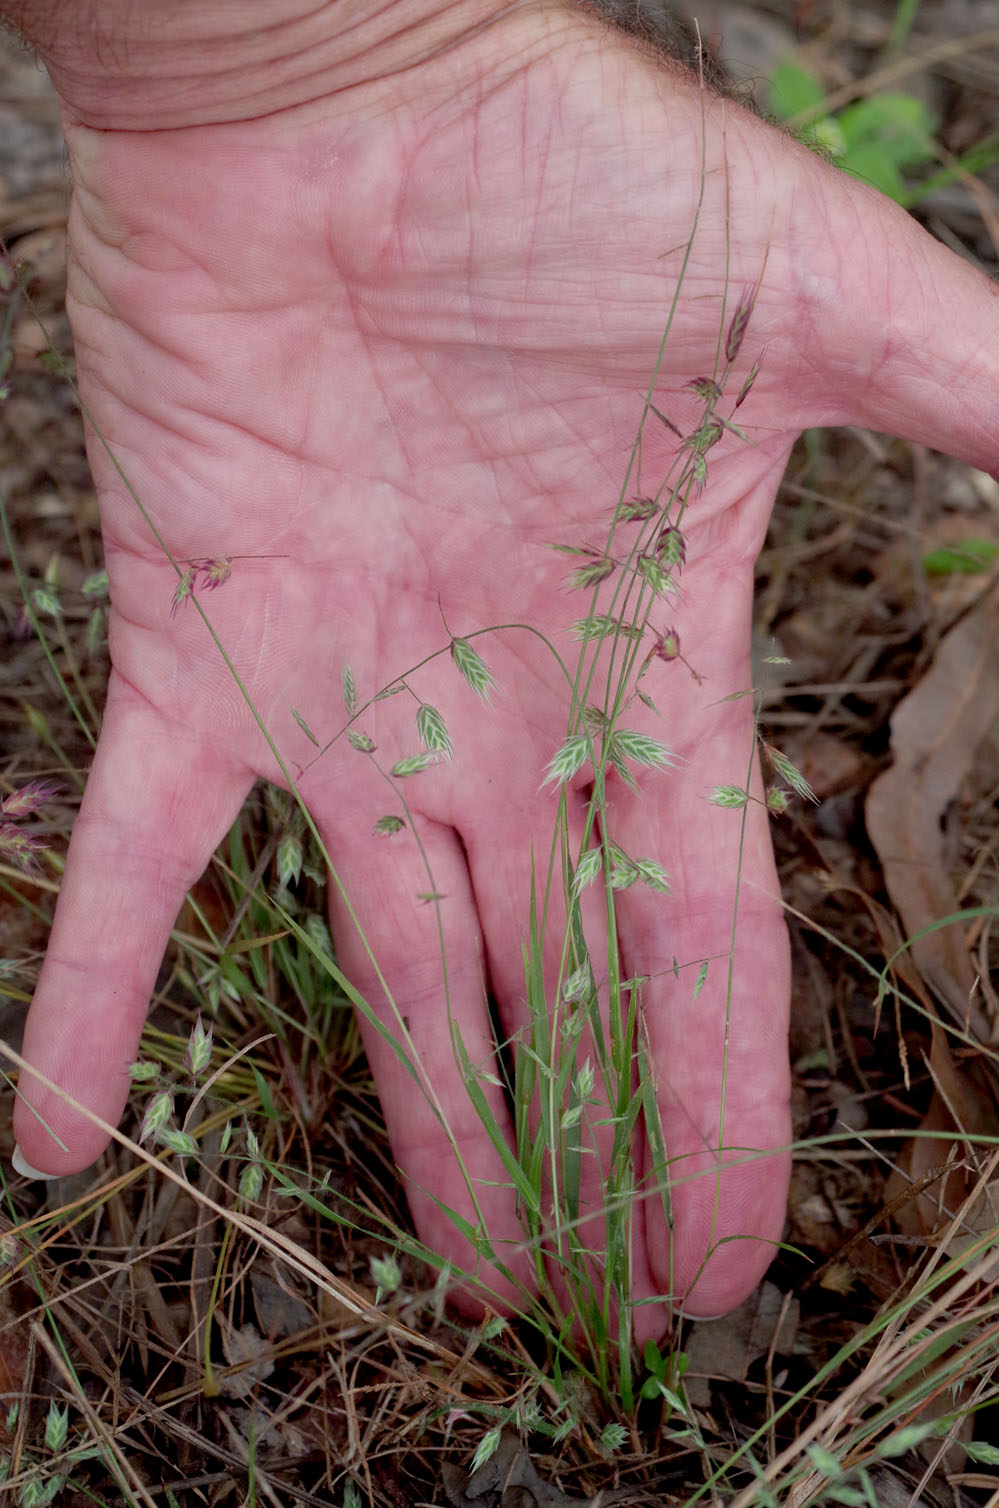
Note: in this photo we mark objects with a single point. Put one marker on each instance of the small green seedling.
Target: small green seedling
(883, 140)
(968, 558)
(665, 1369)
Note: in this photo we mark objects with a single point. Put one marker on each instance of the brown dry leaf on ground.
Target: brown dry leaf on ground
(934, 734)
(509, 1480)
(765, 1324)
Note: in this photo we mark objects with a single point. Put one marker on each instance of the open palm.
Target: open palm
(384, 348)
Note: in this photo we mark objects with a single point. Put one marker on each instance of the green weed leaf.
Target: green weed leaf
(965, 559)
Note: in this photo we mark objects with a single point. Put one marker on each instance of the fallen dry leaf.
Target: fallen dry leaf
(963, 1107)
(509, 1479)
(935, 731)
(728, 1347)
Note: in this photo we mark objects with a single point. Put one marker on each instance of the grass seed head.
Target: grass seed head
(671, 548)
(592, 573)
(158, 1114)
(637, 509)
(11, 1250)
(19, 848)
(198, 1053)
(740, 324)
(472, 667)
(185, 586)
(215, 571)
(668, 645)
(22, 802)
(705, 388)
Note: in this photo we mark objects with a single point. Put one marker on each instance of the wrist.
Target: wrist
(118, 65)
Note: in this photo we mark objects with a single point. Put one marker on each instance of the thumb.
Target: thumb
(901, 335)
(157, 802)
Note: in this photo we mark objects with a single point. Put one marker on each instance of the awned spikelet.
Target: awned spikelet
(739, 325)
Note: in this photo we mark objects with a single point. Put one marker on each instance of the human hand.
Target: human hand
(387, 339)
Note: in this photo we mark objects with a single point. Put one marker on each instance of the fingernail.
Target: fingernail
(21, 1165)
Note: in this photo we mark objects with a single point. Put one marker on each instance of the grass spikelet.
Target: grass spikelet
(739, 325)
(472, 666)
(433, 731)
(626, 743)
(589, 866)
(185, 586)
(28, 798)
(787, 771)
(600, 626)
(637, 509)
(215, 571)
(652, 573)
(668, 645)
(569, 760)
(349, 688)
(732, 796)
(671, 548)
(414, 764)
(19, 847)
(592, 573)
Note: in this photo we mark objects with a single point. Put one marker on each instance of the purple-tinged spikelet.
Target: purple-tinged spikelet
(740, 324)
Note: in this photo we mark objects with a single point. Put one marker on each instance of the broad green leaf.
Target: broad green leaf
(795, 92)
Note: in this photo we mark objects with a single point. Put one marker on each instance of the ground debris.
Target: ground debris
(935, 732)
(509, 1479)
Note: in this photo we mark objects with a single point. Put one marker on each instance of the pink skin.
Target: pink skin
(396, 338)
